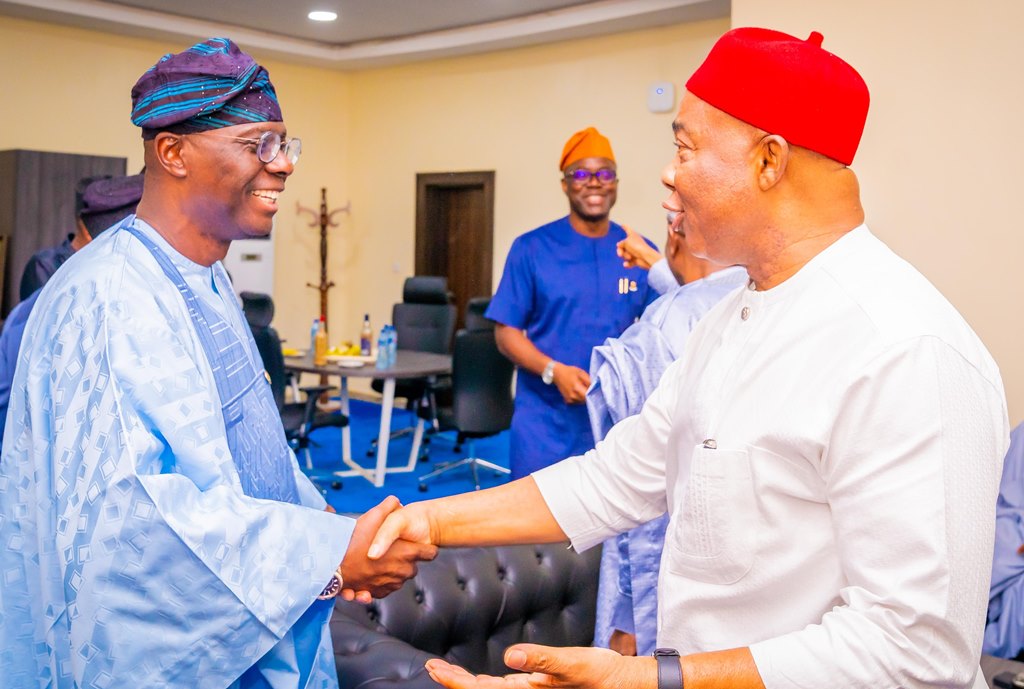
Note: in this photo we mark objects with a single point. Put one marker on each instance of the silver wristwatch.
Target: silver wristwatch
(548, 376)
(333, 587)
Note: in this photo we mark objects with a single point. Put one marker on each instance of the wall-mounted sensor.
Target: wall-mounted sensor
(661, 97)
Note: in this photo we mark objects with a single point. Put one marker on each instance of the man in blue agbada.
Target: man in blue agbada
(563, 292)
(156, 530)
(1004, 628)
(624, 372)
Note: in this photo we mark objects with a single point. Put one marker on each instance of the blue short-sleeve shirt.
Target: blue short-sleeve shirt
(569, 293)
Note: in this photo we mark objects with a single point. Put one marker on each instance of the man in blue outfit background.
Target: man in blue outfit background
(563, 292)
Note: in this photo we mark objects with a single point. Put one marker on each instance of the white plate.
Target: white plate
(338, 358)
(350, 364)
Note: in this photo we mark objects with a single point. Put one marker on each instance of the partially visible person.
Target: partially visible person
(100, 202)
(562, 293)
(624, 372)
(1004, 630)
(156, 528)
(94, 212)
(828, 447)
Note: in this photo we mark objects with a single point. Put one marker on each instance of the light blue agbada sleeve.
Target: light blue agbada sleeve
(129, 555)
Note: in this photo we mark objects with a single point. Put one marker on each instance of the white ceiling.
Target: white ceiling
(368, 33)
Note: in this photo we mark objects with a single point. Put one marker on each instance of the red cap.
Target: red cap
(786, 86)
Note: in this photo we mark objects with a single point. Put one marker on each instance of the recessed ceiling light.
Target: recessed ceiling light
(323, 16)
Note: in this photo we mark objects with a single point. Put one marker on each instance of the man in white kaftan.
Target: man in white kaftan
(828, 447)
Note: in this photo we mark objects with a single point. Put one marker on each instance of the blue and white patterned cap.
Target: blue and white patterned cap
(211, 85)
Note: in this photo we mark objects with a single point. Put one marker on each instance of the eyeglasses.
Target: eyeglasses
(582, 176)
(269, 145)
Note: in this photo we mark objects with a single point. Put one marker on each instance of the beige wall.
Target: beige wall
(510, 112)
(68, 90)
(940, 164)
(936, 166)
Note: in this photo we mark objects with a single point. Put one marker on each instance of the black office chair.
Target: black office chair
(481, 399)
(298, 418)
(475, 309)
(475, 320)
(424, 322)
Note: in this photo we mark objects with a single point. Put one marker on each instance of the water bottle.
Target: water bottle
(382, 348)
(365, 337)
(312, 335)
(392, 345)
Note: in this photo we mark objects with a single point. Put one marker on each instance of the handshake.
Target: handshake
(366, 578)
(390, 539)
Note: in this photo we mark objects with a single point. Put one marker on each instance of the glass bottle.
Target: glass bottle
(320, 344)
(365, 337)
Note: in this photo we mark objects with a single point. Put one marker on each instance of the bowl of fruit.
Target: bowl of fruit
(348, 355)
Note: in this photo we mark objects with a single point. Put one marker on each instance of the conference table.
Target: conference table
(408, 364)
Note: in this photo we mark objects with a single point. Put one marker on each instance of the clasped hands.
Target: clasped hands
(365, 578)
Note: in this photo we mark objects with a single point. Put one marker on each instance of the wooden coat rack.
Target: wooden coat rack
(323, 219)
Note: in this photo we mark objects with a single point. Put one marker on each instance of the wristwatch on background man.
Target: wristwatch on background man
(670, 672)
(549, 373)
(333, 587)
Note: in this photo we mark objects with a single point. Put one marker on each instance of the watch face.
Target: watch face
(548, 374)
(332, 589)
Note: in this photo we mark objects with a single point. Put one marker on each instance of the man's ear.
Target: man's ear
(772, 158)
(167, 150)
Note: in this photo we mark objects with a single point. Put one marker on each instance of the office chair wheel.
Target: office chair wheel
(336, 485)
(423, 488)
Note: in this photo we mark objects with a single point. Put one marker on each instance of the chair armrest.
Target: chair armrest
(313, 393)
(370, 659)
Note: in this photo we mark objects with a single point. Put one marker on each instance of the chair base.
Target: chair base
(400, 433)
(473, 462)
(317, 478)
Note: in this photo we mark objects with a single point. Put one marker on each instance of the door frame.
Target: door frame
(426, 182)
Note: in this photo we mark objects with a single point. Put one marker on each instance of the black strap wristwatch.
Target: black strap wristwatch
(670, 672)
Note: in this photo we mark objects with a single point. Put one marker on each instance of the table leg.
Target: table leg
(346, 431)
(387, 404)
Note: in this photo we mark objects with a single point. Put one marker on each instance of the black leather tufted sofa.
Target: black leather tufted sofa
(467, 606)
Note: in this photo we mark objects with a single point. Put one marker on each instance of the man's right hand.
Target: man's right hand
(364, 577)
(572, 382)
(410, 524)
(635, 252)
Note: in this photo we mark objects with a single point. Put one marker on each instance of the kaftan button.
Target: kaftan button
(745, 313)
(710, 444)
